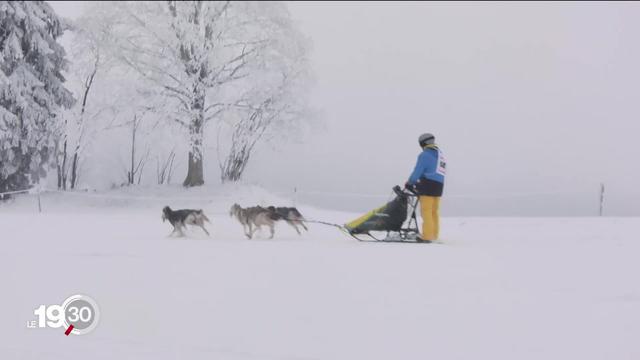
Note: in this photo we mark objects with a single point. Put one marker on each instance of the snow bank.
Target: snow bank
(136, 198)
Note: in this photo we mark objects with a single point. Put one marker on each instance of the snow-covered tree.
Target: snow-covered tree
(201, 58)
(32, 90)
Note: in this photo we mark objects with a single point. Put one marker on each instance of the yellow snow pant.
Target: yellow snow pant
(430, 206)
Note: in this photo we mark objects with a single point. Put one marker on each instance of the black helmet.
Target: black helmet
(426, 139)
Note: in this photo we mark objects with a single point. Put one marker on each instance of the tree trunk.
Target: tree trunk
(234, 165)
(74, 171)
(63, 179)
(132, 171)
(59, 172)
(195, 175)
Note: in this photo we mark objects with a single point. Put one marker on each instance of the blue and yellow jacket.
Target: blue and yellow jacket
(429, 173)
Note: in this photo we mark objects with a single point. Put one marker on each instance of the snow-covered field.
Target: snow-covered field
(497, 288)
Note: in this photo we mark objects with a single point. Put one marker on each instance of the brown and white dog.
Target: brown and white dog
(253, 218)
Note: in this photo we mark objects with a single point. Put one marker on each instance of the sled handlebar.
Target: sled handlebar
(407, 191)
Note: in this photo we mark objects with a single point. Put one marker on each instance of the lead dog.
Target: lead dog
(253, 218)
(291, 215)
(180, 218)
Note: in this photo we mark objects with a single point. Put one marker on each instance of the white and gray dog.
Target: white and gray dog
(180, 218)
(255, 217)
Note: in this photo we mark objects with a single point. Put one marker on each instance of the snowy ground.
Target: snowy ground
(498, 288)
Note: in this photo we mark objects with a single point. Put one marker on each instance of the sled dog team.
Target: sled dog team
(251, 219)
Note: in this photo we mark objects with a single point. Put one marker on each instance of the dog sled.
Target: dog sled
(396, 221)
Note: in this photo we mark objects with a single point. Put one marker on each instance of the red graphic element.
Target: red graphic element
(68, 330)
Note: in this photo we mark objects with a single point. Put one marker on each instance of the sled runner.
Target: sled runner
(386, 223)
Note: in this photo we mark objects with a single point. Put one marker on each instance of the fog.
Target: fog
(534, 105)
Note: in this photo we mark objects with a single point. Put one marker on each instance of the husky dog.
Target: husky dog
(253, 218)
(180, 218)
(291, 215)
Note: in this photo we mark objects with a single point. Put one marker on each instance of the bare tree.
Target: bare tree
(278, 104)
(136, 165)
(254, 122)
(82, 122)
(61, 155)
(165, 169)
(88, 83)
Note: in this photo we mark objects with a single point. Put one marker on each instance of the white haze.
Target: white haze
(534, 104)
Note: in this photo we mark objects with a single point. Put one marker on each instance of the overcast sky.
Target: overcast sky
(534, 104)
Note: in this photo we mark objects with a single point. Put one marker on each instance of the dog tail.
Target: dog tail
(204, 216)
(296, 214)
